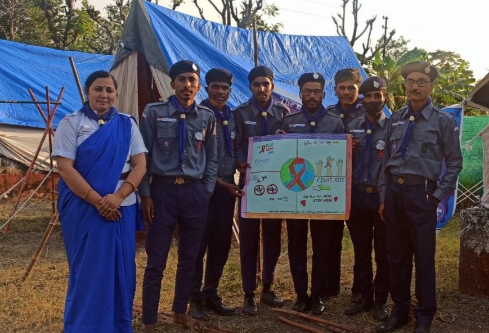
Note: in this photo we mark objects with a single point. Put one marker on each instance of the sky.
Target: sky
(448, 25)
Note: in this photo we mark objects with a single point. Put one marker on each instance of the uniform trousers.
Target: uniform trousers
(216, 242)
(185, 205)
(297, 249)
(249, 237)
(365, 226)
(333, 241)
(410, 214)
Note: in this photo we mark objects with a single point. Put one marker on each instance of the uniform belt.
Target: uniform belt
(124, 175)
(175, 180)
(365, 188)
(409, 181)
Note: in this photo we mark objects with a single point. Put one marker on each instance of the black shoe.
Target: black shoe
(302, 304)
(391, 324)
(317, 306)
(422, 328)
(197, 310)
(380, 312)
(355, 298)
(356, 308)
(269, 298)
(249, 305)
(215, 304)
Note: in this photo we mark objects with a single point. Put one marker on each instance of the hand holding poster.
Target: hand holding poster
(298, 176)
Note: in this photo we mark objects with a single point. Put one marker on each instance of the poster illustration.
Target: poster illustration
(298, 176)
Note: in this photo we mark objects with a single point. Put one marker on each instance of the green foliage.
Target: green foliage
(454, 82)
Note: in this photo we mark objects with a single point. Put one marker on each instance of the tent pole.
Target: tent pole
(255, 42)
(47, 131)
(77, 79)
(45, 238)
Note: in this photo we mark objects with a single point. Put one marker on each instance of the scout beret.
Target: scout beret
(183, 66)
(420, 67)
(260, 71)
(311, 77)
(373, 83)
(219, 75)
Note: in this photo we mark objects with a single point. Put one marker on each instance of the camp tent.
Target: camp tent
(154, 38)
(31, 67)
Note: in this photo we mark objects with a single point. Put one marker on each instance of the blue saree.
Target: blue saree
(101, 253)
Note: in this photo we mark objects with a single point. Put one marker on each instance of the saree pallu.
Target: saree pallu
(101, 253)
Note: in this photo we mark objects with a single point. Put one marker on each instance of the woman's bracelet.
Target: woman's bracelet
(86, 193)
(133, 187)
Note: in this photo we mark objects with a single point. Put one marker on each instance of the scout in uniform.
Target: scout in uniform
(313, 118)
(365, 224)
(349, 107)
(258, 117)
(217, 235)
(182, 165)
(418, 138)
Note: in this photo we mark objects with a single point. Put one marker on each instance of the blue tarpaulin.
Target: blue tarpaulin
(166, 36)
(25, 66)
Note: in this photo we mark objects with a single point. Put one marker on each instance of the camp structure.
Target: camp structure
(479, 99)
(154, 38)
(27, 67)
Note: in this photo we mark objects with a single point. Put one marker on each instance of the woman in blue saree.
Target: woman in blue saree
(101, 160)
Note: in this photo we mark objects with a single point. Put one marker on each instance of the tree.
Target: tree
(243, 16)
(455, 79)
(356, 34)
(111, 26)
(11, 13)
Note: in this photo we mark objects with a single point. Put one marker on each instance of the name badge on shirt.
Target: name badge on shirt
(398, 123)
(168, 120)
(297, 125)
(357, 131)
(247, 122)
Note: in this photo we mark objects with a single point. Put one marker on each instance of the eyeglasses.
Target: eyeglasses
(421, 82)
(308, 92)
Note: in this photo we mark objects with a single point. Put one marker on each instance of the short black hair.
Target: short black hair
(348, 74)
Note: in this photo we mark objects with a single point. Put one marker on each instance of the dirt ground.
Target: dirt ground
(37, 304)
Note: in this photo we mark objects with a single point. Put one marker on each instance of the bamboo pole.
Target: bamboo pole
(77, 79)
(318, 320)
(301, 326)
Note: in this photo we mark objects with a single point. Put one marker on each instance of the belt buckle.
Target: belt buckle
(179, 180)
(369, 189)
(400, 180)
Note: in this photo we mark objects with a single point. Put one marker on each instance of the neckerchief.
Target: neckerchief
(357, 104)
(313, 119)
(224, 116)
(367, 148)
(264, 123)
(87, 110)
(412, 117)
(182, 128)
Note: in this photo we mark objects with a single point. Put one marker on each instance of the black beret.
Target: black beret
(183, 66)
(219, 75)
(373, 83)
(311, 77)
(420, 67)
(260, 71)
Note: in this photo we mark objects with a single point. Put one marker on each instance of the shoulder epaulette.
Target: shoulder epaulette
(204, 108)
(242, 105)
(280, 104)
(292, 114)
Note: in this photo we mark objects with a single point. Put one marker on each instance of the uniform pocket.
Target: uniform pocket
(167, 138)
